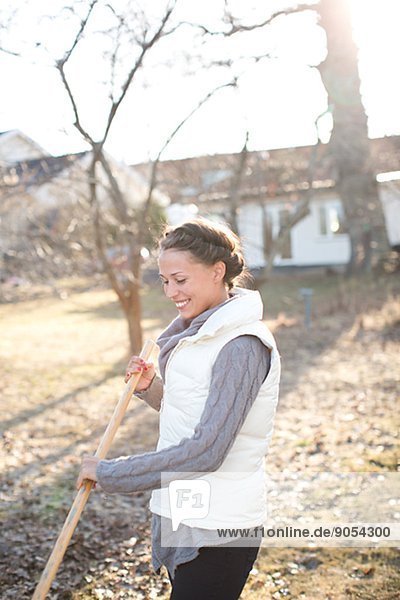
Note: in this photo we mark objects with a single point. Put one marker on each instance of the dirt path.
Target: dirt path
(61, 365)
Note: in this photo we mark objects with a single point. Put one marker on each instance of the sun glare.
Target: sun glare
(375, 26)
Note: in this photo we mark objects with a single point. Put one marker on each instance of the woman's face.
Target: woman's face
(193, 286)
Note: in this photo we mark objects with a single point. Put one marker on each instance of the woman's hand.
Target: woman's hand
(138, 365)
(88, 470)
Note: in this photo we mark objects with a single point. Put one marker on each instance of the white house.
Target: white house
(271, 184)
(389, 190)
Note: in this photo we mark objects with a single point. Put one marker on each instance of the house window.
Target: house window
(331, 219)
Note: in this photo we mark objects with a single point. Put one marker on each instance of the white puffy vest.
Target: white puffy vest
(238, 486)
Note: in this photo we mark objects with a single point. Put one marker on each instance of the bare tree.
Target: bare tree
(130, 229)
(121, 226)
(349, 146)
(355, 177)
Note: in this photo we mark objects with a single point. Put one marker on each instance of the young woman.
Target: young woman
(217, 395)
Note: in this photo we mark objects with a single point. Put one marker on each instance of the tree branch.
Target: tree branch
(236, 27)
(116, 194)
(154, 165)
(77, 123)
(145, 48)
(60, 64)
(10, 52)
(98, 234)
(78, 36)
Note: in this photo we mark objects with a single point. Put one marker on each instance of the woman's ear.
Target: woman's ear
(219, 271)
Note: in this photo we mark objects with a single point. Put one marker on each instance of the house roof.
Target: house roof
(23, 175)
(9, 136)
(36, 171)
(269, 173)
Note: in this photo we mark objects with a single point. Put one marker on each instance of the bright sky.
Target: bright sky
(278, 99)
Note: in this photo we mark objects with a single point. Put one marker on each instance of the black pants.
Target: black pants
(217, 573)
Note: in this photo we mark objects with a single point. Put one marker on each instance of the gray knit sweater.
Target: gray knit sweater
(237, 375)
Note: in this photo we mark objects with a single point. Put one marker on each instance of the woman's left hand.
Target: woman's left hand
(88, 470)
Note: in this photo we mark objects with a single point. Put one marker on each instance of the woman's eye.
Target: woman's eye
(179, 281)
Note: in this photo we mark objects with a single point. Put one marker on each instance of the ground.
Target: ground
(62, 357)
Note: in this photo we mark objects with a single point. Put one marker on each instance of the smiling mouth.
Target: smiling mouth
(180, 305)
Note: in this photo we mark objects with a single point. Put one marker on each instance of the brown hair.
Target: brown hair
(209, 243)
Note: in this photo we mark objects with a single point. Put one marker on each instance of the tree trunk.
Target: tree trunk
(235, 188)
(133, 312)
(128, 289)
(133, 304)
(349, 144)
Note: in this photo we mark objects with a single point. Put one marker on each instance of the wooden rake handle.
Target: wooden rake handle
(82, 496)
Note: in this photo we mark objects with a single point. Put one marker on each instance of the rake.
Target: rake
(82, 496)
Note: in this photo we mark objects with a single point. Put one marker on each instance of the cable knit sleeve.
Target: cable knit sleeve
(237, 375)
(154, 393)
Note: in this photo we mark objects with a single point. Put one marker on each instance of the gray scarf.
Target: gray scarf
(181, 328)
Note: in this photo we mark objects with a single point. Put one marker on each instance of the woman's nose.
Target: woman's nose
(170, 290)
